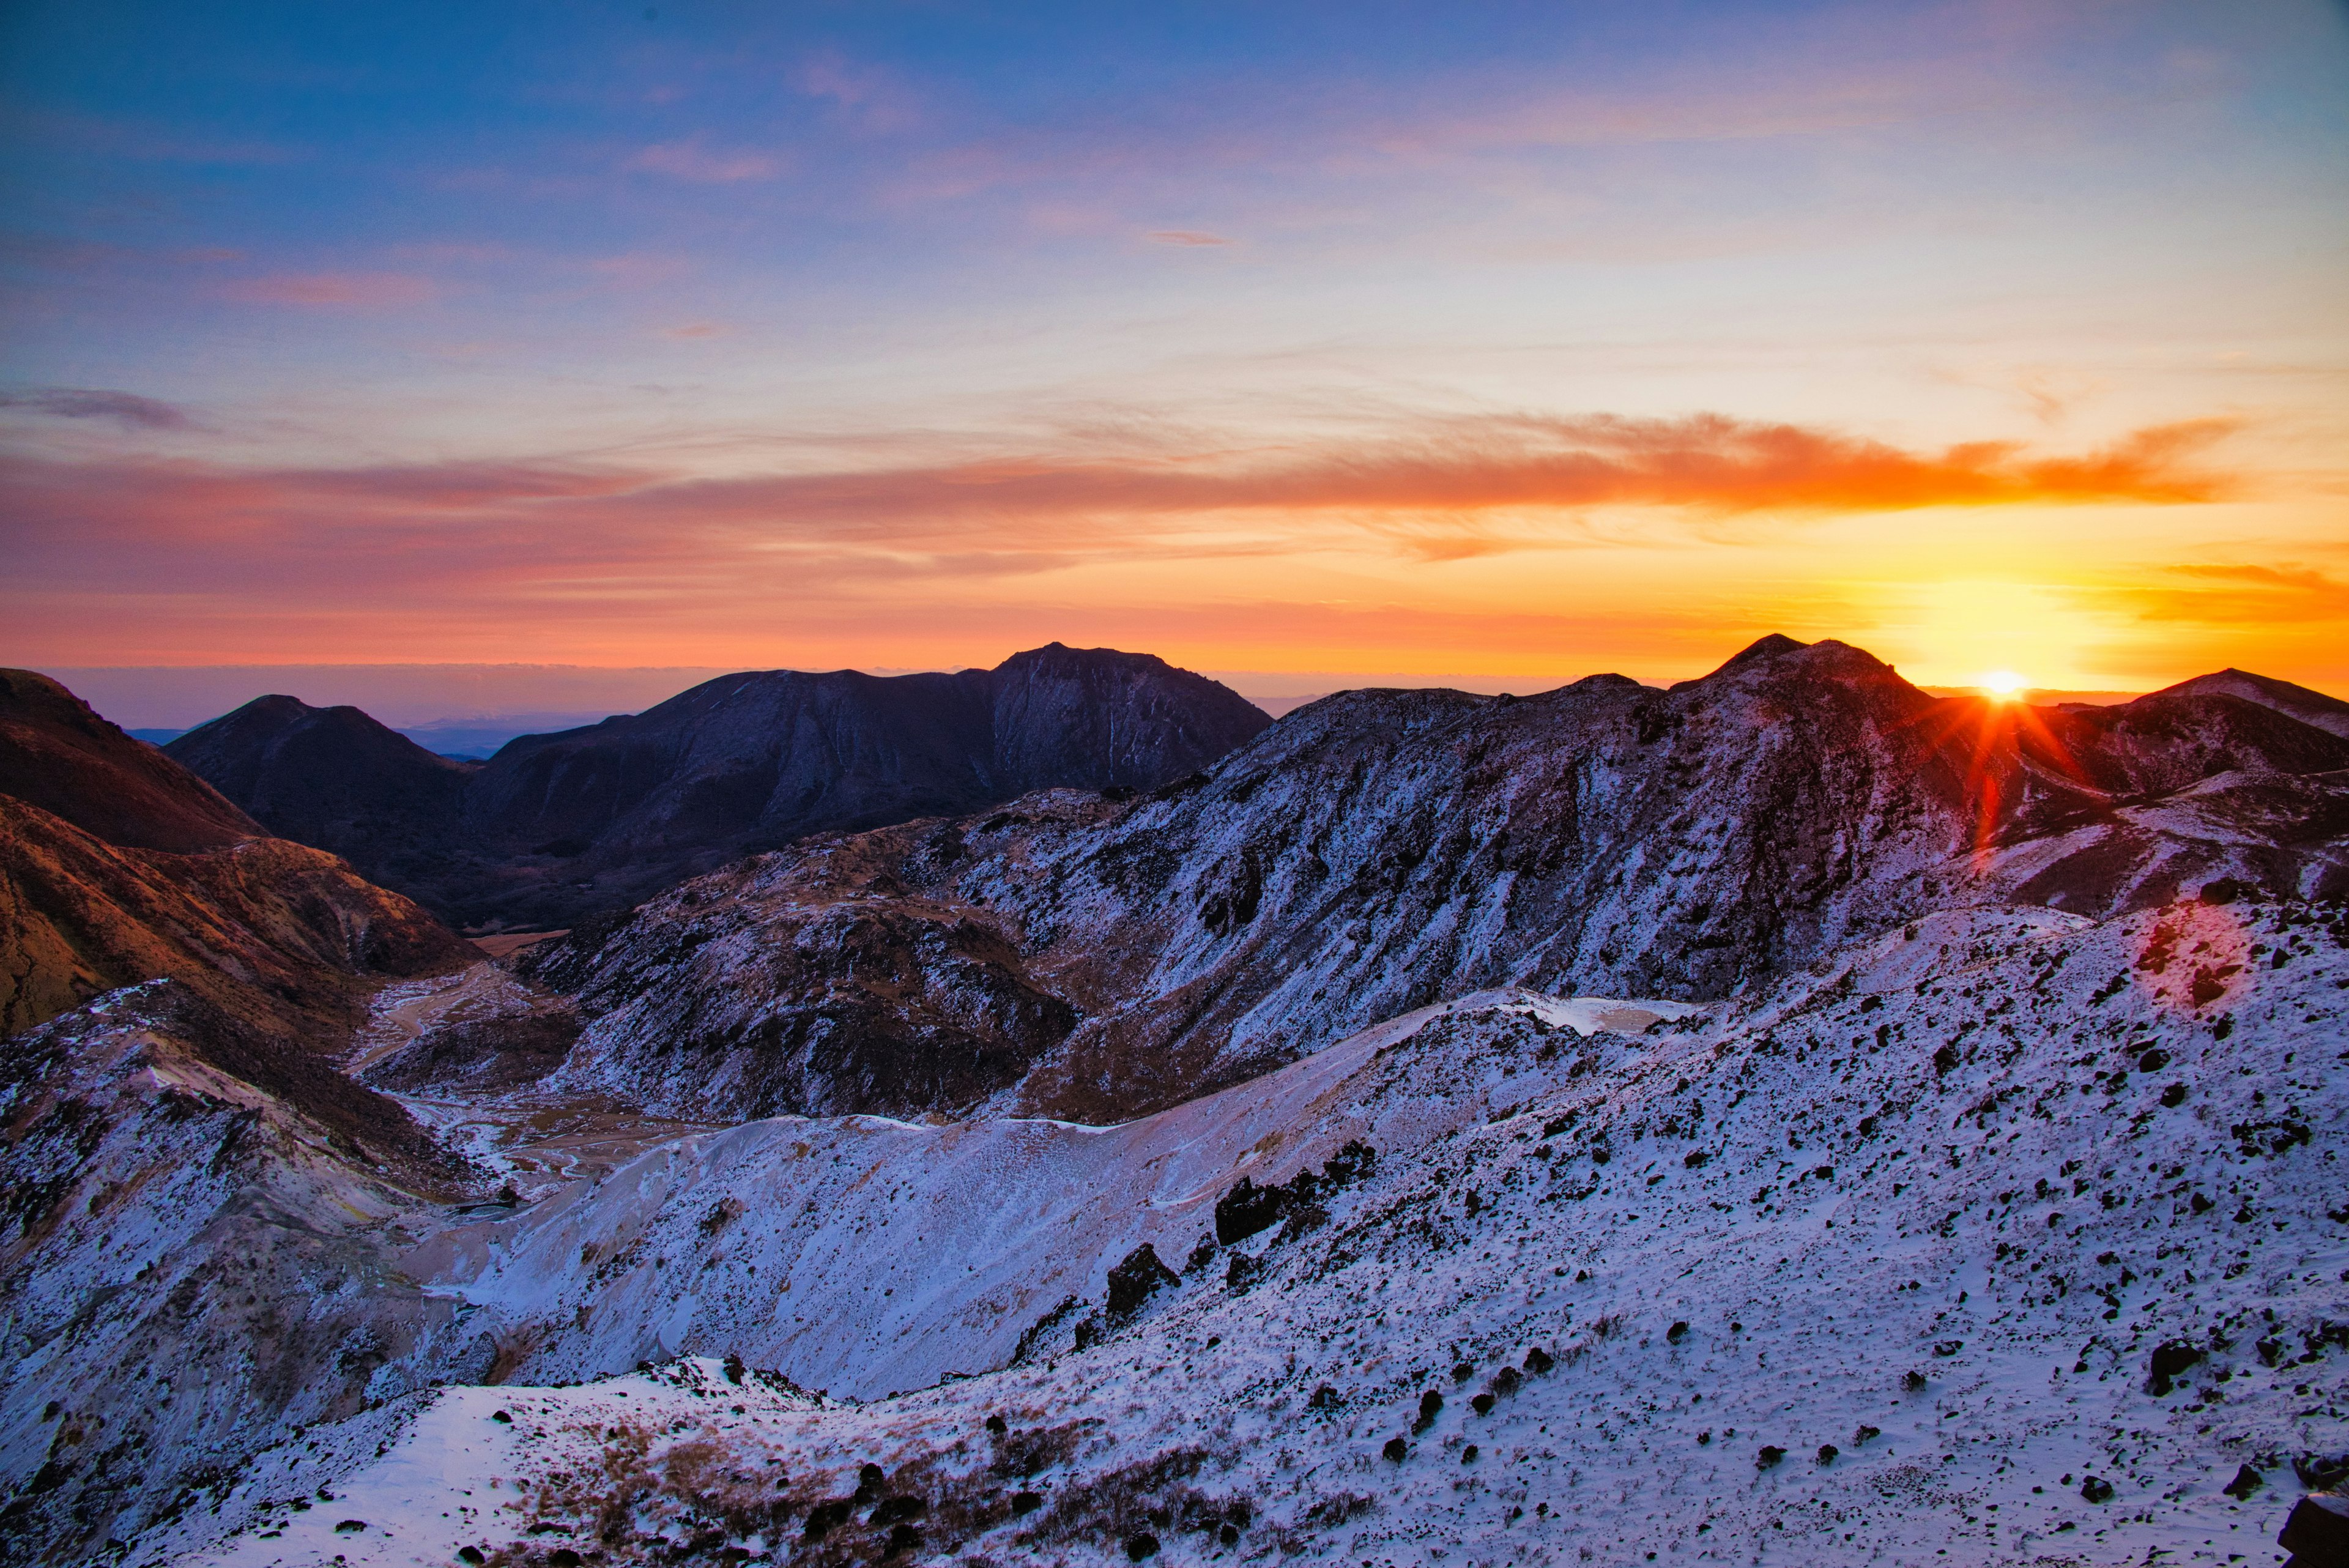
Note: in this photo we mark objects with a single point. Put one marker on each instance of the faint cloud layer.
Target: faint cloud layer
(1187, 237)
(126, 408)
(693, 161)
(360, 289)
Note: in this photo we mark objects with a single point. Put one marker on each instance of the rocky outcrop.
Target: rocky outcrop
(558, 827)
(1380, 850)
(117, 865)
(335, 779)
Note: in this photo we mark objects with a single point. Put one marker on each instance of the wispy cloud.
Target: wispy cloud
(1187, 237)
(691, 161)
(126, 408)
(361, 290)
(1453, 489)
(869, 98)
(2236, 595)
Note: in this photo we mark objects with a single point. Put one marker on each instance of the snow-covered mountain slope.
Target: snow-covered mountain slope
(1381, 850)
(2007, 1237)
(864, 1255)
(195, 1260)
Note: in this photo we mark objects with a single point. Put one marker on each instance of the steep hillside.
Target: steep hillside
(59, 755)
(557, 827)
(117, 865)
(1380, 850)
(750, 761)
(193, 1263)
(2009, 1234)
(272, 933)
(335, 779)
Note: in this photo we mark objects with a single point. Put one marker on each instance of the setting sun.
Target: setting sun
(2004, 685)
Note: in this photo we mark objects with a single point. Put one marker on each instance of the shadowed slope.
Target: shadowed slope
(335, 779)
(56, 753)
(557, 827)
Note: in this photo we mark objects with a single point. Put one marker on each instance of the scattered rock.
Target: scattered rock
(2170, 1359)
(1133, 1281)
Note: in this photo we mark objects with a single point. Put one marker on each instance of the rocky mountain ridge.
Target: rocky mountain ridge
(1380, 850)
(557, 827)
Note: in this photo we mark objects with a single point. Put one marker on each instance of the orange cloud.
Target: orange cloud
(469, 558)
(2238, 596)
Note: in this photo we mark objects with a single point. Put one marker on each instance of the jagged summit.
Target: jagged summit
(1380, 849)
(1765, 648)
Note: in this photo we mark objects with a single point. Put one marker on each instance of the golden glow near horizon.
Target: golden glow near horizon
(2004, 686)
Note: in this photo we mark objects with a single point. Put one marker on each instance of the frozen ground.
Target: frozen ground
(2007, 1239)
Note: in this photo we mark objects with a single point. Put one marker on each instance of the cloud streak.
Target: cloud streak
(701, 165)
(1452, 489)
(361, 290)
(126, 408)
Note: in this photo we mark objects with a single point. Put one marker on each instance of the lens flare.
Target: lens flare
(2002, 685)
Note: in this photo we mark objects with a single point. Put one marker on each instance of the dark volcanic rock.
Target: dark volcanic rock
(335, 779)
(2314, 708)
(1379, 850)
(752, 762)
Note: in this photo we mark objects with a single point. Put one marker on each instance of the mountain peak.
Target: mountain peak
(2311, 708)
(1775, 646)
(57, 754)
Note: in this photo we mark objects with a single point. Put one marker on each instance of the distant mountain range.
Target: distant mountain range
(556, 827)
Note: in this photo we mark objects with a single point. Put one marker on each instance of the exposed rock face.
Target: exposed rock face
(557, 827)
(1380, 850)
(335, 779)
(118, 866)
